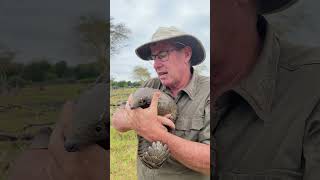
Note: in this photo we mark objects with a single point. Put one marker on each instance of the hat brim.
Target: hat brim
(198, 52)
(274, 6)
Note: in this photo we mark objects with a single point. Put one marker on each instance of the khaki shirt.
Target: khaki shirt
(193, 123)
(268, 127)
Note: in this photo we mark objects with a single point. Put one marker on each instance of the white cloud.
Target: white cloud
(144, 17)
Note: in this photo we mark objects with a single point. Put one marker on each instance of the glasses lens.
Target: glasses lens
(162, 54)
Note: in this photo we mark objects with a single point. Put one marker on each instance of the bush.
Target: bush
(17, 81)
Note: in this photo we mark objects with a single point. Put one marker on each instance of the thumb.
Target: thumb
(154, 101)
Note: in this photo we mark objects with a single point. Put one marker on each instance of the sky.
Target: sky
(145, 17)
(46, 28)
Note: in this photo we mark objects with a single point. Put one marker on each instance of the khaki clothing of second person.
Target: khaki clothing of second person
(193, 124)
(268, 126)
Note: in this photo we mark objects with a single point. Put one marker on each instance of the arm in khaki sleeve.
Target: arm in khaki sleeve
(193, 155)
(197, 155)
(311, 146)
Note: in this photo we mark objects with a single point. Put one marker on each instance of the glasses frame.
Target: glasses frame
(166, 53)
(162, 55)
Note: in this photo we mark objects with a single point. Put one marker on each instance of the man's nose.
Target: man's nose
(157, 63)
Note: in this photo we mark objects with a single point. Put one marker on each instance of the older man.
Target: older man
(266, 92)
(174, 54)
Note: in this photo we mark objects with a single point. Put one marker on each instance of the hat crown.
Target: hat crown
(166, 33)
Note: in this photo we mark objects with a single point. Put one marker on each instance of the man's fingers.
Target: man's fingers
(166, 121)
(154, 102)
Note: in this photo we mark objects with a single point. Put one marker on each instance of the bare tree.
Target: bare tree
(101, 38)
(118, 34)
(93, 35)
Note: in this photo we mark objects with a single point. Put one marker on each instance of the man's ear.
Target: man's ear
(187, 53)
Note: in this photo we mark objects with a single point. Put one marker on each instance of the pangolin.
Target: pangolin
(90, 123)
(153, 155)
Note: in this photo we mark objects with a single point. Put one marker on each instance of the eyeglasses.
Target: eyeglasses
(162, 55)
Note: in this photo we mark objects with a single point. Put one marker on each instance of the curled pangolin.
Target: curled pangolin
(153, 155)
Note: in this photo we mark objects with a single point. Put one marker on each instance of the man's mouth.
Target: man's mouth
(162, 73)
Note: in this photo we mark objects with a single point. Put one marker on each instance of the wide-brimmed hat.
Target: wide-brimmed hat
(174, 34)
(273, 6)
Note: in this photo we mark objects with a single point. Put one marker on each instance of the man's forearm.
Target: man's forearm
(119, 121)
(194, 155)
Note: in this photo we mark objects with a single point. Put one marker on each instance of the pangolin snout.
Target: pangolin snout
(70, 147)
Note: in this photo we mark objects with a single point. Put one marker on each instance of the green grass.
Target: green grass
(123, 145)
(38, 106)
(34, 106)
(123, 155)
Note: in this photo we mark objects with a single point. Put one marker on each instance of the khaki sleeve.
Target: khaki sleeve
(204, 134)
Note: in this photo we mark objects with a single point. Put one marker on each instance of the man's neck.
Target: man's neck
(237, 64)
(181, 85)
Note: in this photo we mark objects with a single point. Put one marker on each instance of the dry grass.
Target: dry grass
(123, 145)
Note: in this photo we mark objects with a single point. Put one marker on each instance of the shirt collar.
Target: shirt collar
(190, 89)
(258, 87)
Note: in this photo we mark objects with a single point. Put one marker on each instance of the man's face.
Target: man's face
(170, 64)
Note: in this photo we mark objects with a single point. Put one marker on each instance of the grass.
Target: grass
(44, 106)
(31, 106)
(123, 155)
(123, 145)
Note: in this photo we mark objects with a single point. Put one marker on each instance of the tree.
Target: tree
(98, 36)
(94, 40)
(37, 70)
(6, 57)
(61, 68)
(85, 71)
(141, 74)
(118, 34)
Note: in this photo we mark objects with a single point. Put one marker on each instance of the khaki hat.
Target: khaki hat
(174, 34)
(273, 6)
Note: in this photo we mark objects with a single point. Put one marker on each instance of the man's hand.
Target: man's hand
(146, 122)
(141, 120)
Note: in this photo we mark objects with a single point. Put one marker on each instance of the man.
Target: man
(266, 92)
(173, 54)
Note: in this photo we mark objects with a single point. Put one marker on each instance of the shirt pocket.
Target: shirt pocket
(189, 127)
